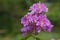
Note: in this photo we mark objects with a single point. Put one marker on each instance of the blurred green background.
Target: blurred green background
(12, 10)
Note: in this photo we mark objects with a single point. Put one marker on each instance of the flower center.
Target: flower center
(39, 5)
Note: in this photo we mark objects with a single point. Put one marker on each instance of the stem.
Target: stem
(36, 37)
(26, 37)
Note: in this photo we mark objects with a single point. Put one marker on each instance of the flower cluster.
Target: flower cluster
(38, 7)
(36, 21)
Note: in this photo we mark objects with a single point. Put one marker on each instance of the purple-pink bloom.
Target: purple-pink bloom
(44, 23)
(35, 21)
(38, 7)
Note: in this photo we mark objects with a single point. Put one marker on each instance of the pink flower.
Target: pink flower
(36, 20)
(39, 7)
